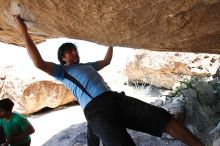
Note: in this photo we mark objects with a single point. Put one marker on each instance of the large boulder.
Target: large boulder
(166, 69)
(75, 135)
(32, 89)
(189, 26)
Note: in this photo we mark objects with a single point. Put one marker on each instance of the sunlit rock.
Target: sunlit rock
(32, 90)
(166, 69)
(186, 26)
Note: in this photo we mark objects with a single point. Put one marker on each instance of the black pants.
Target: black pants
(111, 113)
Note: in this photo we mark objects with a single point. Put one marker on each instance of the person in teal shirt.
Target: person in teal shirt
(17, 129)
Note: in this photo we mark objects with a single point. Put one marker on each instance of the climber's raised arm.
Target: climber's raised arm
(107, 59)
(31, 47)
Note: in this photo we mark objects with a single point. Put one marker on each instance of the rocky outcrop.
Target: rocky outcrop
(76, 136)
(163, 69)
(32, 90)
(189, 26)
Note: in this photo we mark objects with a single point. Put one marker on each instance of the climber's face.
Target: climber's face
(70, 56)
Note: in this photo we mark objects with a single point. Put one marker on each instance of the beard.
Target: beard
(77, 59)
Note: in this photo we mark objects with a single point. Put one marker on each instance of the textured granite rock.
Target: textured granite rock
(187, 25)
(76, 136)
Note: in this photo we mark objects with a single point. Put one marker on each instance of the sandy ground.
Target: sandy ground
(50, 123)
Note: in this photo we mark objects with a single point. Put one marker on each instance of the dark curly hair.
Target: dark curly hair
(6, 104)
(63, 48)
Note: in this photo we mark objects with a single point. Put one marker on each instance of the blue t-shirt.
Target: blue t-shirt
(87, 75)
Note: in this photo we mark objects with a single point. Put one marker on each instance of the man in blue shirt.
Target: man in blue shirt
(108, 113)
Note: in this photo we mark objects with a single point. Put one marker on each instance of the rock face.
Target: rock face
(76, 136)
(166, 69)
(187, 25)
(32, 92)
